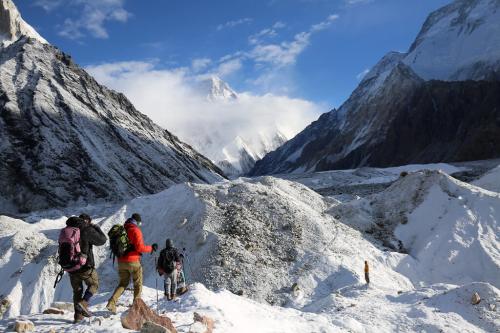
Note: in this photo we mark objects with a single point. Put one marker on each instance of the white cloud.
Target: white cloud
(286, 53)
(199, 64)
(94, 14)
(266, 33)
(355, 2)
(171, 97)
(361, 75)
(48, 5)
(229, 67)
(234, 23)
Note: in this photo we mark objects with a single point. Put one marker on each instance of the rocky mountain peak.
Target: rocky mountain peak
(12, 26)
(217, 90)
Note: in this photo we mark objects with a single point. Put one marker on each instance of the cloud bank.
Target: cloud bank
(173, 99)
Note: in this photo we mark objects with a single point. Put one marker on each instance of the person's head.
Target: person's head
(169, 244)
(86, 218)
(137, 218)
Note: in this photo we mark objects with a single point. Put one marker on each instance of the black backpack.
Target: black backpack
(118, 241)
(168, 263)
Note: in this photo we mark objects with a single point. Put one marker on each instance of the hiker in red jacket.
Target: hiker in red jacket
(129, 265)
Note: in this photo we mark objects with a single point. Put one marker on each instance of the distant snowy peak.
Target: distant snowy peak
(217, 90)
(241, 154)
(12, 26)
(458, 42)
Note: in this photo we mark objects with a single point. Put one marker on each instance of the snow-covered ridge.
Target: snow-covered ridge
(12, 26)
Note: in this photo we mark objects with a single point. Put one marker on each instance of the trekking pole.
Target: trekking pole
(156, 286)
(186, 265)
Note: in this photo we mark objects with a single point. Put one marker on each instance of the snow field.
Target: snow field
(260, 236)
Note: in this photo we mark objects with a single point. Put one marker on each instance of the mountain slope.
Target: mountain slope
(65, 139)
(398, 98)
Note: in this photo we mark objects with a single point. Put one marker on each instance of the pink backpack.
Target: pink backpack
(70, 257)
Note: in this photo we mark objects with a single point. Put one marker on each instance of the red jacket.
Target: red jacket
(135, 237)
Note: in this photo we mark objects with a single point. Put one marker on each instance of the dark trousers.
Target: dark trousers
(91, 280)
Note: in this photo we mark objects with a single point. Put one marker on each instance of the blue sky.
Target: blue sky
(309, 49)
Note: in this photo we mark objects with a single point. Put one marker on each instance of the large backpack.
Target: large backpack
(118, 241)
(168, 263)
(70, 257)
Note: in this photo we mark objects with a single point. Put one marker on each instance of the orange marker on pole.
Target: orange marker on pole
(367, 272)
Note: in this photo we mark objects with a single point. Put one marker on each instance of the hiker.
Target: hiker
(129, 265)
(84, 272)
(167, 266)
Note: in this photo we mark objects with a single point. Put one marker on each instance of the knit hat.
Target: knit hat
(85, 217)
(137, 217)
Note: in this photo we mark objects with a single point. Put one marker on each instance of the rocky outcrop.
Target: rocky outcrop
(140, 313)
(202, 324)
(53, 311)
(22, 326)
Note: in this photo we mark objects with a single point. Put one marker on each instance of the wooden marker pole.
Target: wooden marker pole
(367, 272)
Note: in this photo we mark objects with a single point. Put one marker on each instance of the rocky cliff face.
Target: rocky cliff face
(65, 139)
(459, 46)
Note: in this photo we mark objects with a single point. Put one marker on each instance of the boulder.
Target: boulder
(140, 313)
(150, 327)
(65, 306)
(4, 306)
(22, 326)
(202, 324)
(476, 299)
(53, 311)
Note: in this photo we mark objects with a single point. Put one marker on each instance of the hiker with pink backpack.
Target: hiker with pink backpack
(77, 258)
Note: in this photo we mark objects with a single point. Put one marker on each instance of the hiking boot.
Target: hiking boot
(174, 297)
(82, 307)
(167, 296)
(111, 307)
(182, 290)
(78, 318)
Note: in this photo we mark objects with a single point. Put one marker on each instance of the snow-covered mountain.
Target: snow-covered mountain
(431, 242)
(401, 114)
(216, 89)
(238, 155)
(65, 139)
(12, 26)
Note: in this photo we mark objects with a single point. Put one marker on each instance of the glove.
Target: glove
(155, 247)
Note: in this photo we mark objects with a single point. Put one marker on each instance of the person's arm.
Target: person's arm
(138, 242)
(95, 235)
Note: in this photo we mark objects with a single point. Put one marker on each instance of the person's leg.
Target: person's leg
(92, 282)
(77, 286)
(173, 289)
(124, 279)
(137, 278)
(168, 285)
